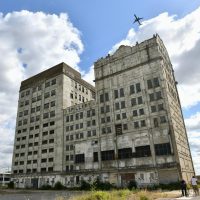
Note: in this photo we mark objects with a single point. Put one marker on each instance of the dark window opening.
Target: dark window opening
(143, 151)
(107, 155)
(124, 153)
(162, 149)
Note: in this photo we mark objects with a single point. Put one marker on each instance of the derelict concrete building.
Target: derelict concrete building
(129, 127)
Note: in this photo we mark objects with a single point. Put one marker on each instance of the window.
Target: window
(116, 94)
(117, 106)
(149, 84)
(123, 104)
(50, 159)
(53, 92)
(125, 126)
(124, 116)
(95, 157)
(102, 120)
(107, 155)
(163, 119)
(51, 141)
(151, 97)
(37, 108)
(107, 108)
(46, 105)
(88, 113)
(118, 129)
(89, 133)
(109, 130)
(143, 123)
(143, 151)
(132, 89)
(138, 89)
(162, 149)
(71, 95)
(51, 150)
(118, 116)
(136, 124)
(102, 110)
(155, 122)
(103, 130)
(125, 153)
(139, 100)
(39, 98)
(37, 118)
(88, 123)
(44, 150)
(79, 158)
(71, 118)
(135, 113)
(158, 95)
(46, 95)
(156, 82)
(81, 125)
(153, 109)
(94, 132)
(77, 116)
(101, 98)
(108, 118)
(43, 160)
(121, 91)
(160, 107)
(52, 113)
(45, 115)
(67, 118)
(32, 110)
(53, 103)
(106, 97)
(47, 84)
(93, 112)
(53, 82)
(133, 102)
(141, 111)
(81, 115)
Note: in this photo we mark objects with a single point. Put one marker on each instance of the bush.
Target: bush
(11, 185)
(144, 198)
(98, 185)
(170, 186)
(85, 185)
(132, 185)
(58, 186)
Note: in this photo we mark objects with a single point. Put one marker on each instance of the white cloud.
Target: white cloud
(182, 40)
(30, 42)
(89, 76)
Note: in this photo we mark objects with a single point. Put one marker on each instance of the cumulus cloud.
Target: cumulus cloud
(30, 42)
(89, 76)
(181, 37)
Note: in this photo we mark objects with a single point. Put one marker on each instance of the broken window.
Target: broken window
(80, 158)
(107, 155)
(162, 149)
(143, 151)
(124, 153)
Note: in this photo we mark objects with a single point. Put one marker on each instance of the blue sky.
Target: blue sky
(33, 40)
(103, 23)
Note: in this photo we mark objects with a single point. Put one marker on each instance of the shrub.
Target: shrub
(85, 185)
(11, 185)
(58, 186)
(132, 185)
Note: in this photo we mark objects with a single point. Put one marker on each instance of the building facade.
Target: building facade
(132, 130)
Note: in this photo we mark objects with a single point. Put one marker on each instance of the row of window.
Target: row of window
(81, 88)
(47, 94)
(49, 83)
(75, 96)
(49, 114)
(34, 170)
(43, 160)
(134, 88)
(141, 151)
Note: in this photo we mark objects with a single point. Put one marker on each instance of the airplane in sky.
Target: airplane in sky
(137, 19)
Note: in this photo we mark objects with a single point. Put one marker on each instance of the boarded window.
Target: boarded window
(107, 155)
(124, 153)
(79, 158)
(118, 129)
(162, 149)
(143, 151)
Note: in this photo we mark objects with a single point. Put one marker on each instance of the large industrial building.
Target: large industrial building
(128, 127)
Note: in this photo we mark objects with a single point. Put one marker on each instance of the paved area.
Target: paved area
(36, 195)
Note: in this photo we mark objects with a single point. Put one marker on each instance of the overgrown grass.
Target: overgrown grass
(122, 195)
